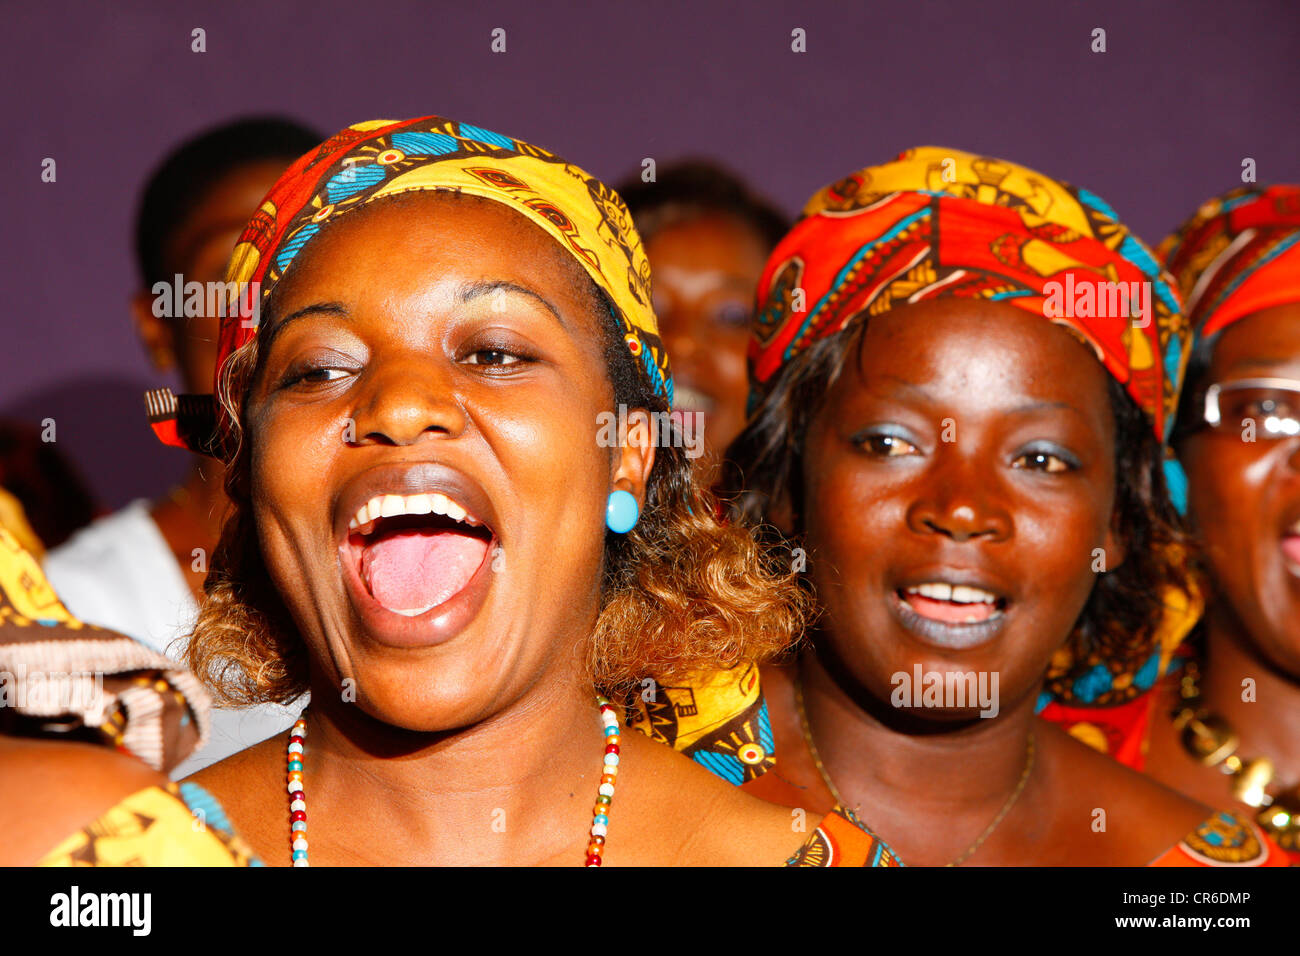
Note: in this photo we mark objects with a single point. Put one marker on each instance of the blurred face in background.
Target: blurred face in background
(706, 269)
(199, 251)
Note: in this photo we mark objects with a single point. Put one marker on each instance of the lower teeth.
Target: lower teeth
(412, 611)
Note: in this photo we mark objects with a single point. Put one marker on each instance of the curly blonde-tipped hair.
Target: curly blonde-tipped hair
(683, 592)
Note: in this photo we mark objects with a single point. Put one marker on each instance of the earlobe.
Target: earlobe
(781, 516)
(1115, 550)
(154, 332)
(636, 456)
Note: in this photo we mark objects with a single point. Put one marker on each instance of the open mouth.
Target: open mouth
(414, 553)
(952, 604)
(948, 615)
(687, 399)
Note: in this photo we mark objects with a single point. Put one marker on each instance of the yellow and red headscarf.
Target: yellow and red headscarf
(941, 222)
(1239, 254)
(381, 158)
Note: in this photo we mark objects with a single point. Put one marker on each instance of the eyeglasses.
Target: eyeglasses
(1273, 404)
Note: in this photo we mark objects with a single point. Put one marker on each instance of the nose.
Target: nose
(408, 399)
(679, 335)
(960, 502)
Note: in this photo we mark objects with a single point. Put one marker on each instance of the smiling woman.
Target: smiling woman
(979, 490)
(427, 534)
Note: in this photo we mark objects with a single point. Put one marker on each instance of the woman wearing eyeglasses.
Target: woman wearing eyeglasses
(1231, 723)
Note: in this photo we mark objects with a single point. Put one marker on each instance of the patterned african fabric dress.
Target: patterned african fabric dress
(183, 825)
(723, 723)
(1225, 839)
(841, 839)
(179, 825)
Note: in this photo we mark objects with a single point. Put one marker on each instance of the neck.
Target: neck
(514, 789)
(914, 775)
(190, 519)
(203, 497)
(1266, 720)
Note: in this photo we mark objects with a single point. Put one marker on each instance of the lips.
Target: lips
(950, 611)
(1291, 548)
(416, 547)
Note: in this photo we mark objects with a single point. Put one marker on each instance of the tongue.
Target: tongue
(949, 612)
(1291, 548)
(417, 569)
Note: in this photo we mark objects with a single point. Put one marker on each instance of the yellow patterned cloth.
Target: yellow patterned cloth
(718, 719)
(156, 827)
(26, 597)
(14, 520)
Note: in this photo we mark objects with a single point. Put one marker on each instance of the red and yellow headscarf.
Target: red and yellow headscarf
(1240, 253)
(381, 158)
(939, 222)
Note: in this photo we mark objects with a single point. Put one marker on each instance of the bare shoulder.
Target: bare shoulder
(1171, 764)
(249, 785)
(54, 788)
(1138, 813)
(697, 819)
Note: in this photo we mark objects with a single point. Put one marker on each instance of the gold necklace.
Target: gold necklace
(835, 793)
(1213, 742)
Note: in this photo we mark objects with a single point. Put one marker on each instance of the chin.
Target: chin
(1279, 645)
(418, 702)
(423, 690)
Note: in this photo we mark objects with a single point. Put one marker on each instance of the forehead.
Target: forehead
(1270, 337)
(455, 219)
(423, 237)
(971, 341)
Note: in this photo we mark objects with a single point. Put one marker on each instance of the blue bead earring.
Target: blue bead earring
(621, 511)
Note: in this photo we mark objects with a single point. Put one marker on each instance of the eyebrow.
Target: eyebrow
(466, 293)
(1027, 408)
(474, 290)
(1030, 407)
(318, 308)
(1260, 364)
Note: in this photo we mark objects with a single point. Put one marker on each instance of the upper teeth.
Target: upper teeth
(687, 399)
(391, 506)
(961, 594)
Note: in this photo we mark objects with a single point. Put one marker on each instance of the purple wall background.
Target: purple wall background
(1162, 120)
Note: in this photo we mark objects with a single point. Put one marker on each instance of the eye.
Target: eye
(323, 375)
(1269, 408)
(313, 375)
(886, 445)
(493, 357)
(732, 315)
(1051, 462)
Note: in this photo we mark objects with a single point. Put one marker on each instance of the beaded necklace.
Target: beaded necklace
(600, 813)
